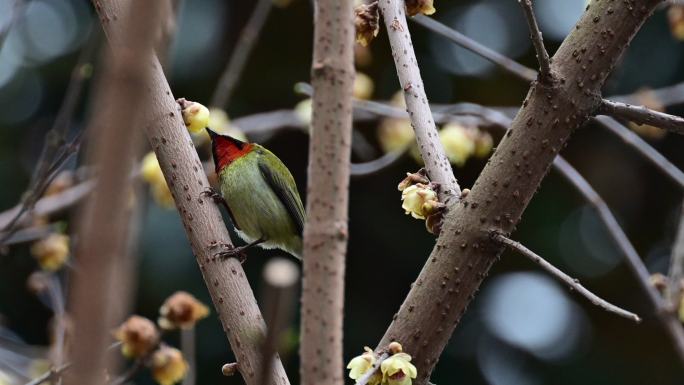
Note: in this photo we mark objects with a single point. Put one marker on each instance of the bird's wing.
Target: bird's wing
(278, 177)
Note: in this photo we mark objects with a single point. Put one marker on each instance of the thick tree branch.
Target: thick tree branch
(103, 230)
(431, 150)
(226, 282)
(537, 41)
(572, 283)
(676, 271)
(643, 115)
(325, 232)
(464, 252)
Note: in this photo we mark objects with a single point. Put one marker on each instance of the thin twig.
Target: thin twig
(56, 151)
(650, 153)
(230, 76)
(431, 149)
(49, 375)
(634, 262)
(572, 283)
(373, 369)
(643, 115)
(504, 62)
(676, 272)
(188, 343)
(537, 41)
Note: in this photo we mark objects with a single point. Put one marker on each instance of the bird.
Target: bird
(260, 195)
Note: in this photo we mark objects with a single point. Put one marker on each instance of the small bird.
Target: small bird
(260, 195)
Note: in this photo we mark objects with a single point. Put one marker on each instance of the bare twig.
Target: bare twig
(431, 149)
(325, 231)
(56, 151)
(49, 375)
(373, 369)
(243, 48)
(537, 41)
(231, 294)
(572, 283)
(643, 115)
(188, 348)
(650, 153)
(504, 62)
(676, 271)
(280, 277)
(104, 226)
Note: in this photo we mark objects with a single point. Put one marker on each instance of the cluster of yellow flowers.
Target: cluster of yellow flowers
(51, 252)
(397, 369)
(141, 339)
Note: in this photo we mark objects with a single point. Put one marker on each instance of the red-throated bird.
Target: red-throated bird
(260, 194)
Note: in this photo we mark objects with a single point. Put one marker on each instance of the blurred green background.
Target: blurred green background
(523, 327)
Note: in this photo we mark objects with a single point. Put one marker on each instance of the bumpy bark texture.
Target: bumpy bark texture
(230, 292)
(325, 233)
(550, 113)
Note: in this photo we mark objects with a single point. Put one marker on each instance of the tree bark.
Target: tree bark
(464, 251)
(325, 232)
(226, 282)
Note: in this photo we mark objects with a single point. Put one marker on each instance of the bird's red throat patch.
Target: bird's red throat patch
(226, 151)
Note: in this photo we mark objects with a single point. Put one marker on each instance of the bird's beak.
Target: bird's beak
(212, 134)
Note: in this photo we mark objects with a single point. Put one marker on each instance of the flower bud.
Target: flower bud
(181, 311)
(229, 369)
(51, 252)
(195, 115)
(395, 347)
(414, 199)
(363, 86)
(168, 365)
(359, 365)
(151, 172)
(138, 336)
(419, 176)
(659, 282)
(458, 142)
(398, 370)
(366, 21)
(303, 110)
(675, 16)
(414, 7)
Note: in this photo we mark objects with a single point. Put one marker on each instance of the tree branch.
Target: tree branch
(643, 115)
(325, 232)
(643, 148)
(226, 282)
(572, 283)
(537, 41)
(676, 271)
(464, 253)
(431, 150)
(243, 48)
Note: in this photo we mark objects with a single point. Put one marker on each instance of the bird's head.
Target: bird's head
(226, 149)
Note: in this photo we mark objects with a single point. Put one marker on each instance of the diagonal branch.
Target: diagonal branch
(431, 150)
(464, 252)
(537, 41)
(231, 294)
(572, 283)
(676, 271)
(643, 115)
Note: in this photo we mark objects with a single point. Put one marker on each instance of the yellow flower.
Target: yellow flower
(395, 134)
(303, 110)
(458, 142)
(675, 16)
(363, 86)
(51, 252)
(359, 365)
(419, 200)
(414, 7)
(151, 173)
(138, 336)
(195, 115)
(681, 309)
(398, 370)
(181, 311)
(168, 365)
(483, 144)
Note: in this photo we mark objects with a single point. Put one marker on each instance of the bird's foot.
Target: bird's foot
(214, 195)
(238, 253)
